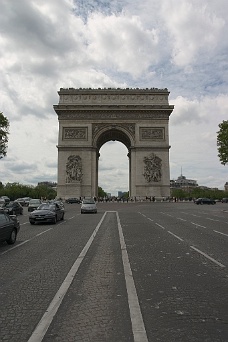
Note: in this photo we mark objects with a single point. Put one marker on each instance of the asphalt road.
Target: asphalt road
(133, 272)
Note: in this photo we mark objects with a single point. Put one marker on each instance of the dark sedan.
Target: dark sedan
(204, 201)
(73, 200)
(47, 213)
(13, 208)
(9, 228)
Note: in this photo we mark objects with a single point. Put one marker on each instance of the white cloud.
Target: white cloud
(120, 42)
(200, 110)
(194, 28)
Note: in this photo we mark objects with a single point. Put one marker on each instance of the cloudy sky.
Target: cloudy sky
(180, 45)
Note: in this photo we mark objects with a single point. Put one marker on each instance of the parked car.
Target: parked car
(21, 201)
(225, 200)
(47, 212)
(27, 200)
(2, 202)
(73, 200)
(34, 204)
(13, 208)
(60, 203)
(205, 201)
(9, 227)
(88, 206)
(6, 198)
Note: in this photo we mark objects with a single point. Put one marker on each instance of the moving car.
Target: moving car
(73, 200)
(88, 206)
(6, 199)
(34, 204)
(21, 201)
(60, 203)
(225, 200)
(205, 201)
(13, 208)
(2, 202)
(27, 200)
(9, 227)
(47, 212)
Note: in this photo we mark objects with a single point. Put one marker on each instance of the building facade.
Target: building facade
(138, 118)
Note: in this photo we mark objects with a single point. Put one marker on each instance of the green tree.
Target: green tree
(101, 192)
(179, 193)
(222, 142)
(17, 190)
(4, 131)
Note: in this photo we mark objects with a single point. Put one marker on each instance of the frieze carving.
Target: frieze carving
(127, 126)
(73, 169)
(75, 133)
(113, 98)
(147, 133)
(106, 115)
(152, 168)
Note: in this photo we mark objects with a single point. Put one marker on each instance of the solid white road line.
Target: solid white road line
(208, 257)
(18, 245)
(45, 231)
(47, 318)
(138, 327)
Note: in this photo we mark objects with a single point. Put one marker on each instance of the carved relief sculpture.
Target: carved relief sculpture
(151, 133)
(73, 169)
(152, 168)
(75, 133)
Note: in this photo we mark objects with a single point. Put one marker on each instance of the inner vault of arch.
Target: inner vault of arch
(112, 135)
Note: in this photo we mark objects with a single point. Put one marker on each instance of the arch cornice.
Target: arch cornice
(108, 114)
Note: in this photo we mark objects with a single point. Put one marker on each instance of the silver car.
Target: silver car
(88, 206)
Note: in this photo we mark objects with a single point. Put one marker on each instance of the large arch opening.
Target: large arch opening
(113, 148)
(113, 168)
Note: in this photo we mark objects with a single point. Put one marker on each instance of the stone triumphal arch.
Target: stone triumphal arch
(138, 118)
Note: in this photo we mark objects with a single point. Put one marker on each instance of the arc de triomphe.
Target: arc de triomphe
(138, 118)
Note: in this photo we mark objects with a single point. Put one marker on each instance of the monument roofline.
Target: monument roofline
(112, 90)
(113, 96)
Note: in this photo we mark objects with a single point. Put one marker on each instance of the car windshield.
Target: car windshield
(88, 202)
(34, 201)
(46, 206)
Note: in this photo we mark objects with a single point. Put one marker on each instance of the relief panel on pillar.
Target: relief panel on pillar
(74, 169)
(152, 168)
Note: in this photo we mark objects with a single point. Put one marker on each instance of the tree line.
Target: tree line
(17, 190)
(198, 193)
